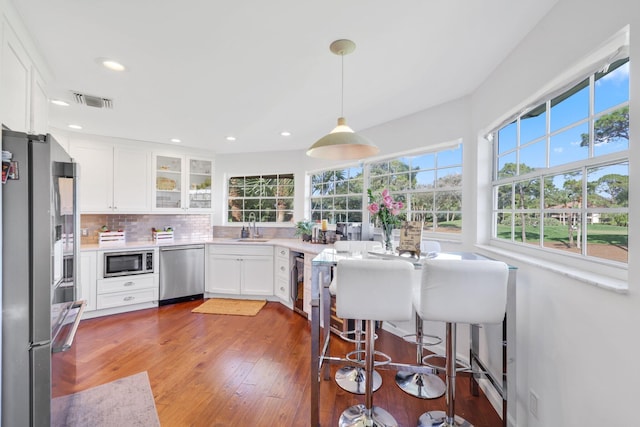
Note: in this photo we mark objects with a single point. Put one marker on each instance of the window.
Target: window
(561, 170)
(336, 195)
(428, 184)
(268, 197)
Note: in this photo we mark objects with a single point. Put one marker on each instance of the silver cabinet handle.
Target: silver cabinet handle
(129, 298)
(282, 268)
(129, 283)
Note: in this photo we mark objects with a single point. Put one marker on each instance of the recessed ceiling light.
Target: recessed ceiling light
(231, 138)
(111, 64)
(60, 102)
(176, 140)
(285, 133)
(75, 126)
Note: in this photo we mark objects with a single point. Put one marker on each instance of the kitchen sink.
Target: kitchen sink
(250, 239)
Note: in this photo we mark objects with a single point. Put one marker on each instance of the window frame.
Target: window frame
(584, 165)
(401, 194)
(260, 211)
(319, 214)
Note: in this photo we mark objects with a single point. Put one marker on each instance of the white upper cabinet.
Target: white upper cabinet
(24, 99)
(39, 117)
(131, 180)
(182, 183)
(113, 179)
(16, 82)
(95, 177)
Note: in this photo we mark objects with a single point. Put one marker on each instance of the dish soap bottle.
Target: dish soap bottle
(244, 233)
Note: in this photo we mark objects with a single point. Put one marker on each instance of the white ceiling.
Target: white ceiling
(200, 70)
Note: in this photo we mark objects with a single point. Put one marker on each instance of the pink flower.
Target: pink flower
(374, 208)
(385, 193)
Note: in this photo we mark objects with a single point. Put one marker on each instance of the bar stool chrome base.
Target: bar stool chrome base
(424, 386)
(360, 416)
(439, 419)
(353, 379)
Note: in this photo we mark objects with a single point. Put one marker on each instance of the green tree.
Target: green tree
(526, 192)
(617, 187)
(609, 128)
(395, 175)
(449, 201)
(573, 198)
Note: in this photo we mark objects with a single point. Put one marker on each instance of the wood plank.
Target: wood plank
(217, 370)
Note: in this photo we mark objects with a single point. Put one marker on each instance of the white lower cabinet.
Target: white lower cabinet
(239, 270)
(87, 280)
(282, 274)
(118, 292)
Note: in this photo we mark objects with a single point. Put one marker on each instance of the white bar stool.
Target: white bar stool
(353, 378)
(423, 386)
(372, 290)
(459, 291)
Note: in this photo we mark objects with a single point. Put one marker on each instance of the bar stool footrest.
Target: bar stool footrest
(354, 356)
(412, 338)
(460, 365)
(358, 337)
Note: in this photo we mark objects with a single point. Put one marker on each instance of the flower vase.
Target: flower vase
(387, 231)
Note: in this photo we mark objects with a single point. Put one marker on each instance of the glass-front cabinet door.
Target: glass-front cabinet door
(199, 190)
(168, 177)
(182, 183)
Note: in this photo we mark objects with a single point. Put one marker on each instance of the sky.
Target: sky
(610, 91)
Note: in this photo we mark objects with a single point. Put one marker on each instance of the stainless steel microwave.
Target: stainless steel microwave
(128, 263)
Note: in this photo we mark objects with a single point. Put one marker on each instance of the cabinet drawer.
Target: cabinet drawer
(282, 289)
(253, 249)
(282, 252)
(130, 283)
(120, 299)
(282, 268)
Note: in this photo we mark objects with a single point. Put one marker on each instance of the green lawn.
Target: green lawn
(596, 233)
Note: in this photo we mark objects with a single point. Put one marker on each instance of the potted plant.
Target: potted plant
(304, 228)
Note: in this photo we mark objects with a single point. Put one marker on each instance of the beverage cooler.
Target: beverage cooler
(297, 284)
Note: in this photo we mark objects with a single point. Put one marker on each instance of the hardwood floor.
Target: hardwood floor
(215, 370)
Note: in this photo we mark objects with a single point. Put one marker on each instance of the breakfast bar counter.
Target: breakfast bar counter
(503, 382)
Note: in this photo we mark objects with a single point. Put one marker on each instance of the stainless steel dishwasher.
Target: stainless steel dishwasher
(181, 273)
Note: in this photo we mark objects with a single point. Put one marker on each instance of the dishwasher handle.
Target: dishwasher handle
(181, 248)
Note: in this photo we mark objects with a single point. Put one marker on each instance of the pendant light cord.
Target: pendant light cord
(342, 86)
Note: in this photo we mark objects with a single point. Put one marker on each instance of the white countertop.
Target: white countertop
(293, 244)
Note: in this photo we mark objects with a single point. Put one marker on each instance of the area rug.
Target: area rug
(238, 307)
(124, 402)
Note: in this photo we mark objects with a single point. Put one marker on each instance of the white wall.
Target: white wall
(577, 344)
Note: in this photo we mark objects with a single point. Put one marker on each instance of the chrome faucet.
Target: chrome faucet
(253, 231)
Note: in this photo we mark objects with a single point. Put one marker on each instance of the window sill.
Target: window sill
(598, 280)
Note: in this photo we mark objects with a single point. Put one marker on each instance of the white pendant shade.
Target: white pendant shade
(342, 143)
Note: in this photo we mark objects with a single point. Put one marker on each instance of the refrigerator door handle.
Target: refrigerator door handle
(68, 341)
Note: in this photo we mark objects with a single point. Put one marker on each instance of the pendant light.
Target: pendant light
(342, 143)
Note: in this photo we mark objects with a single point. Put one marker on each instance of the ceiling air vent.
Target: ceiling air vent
(92, 101)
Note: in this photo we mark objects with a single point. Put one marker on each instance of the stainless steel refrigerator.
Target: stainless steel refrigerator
(39, 249)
